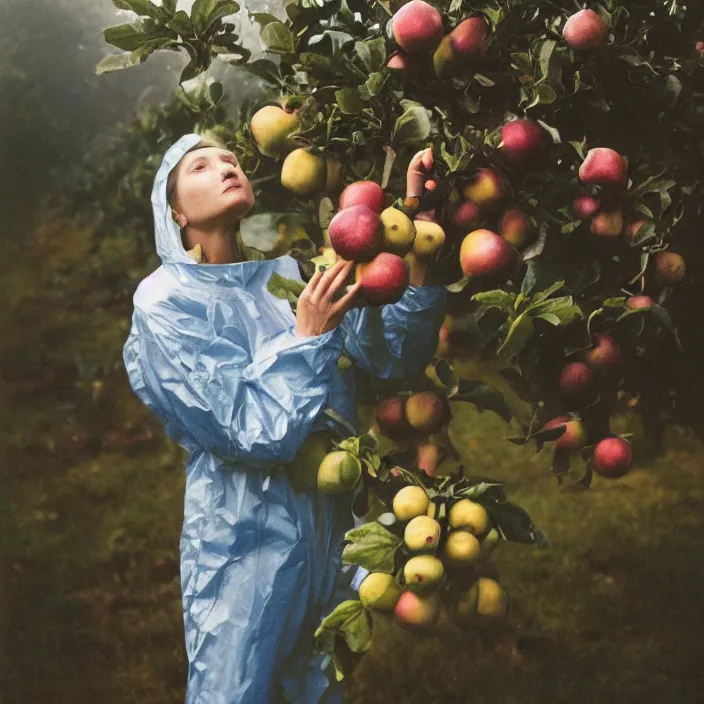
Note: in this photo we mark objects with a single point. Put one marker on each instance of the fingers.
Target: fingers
(340, 279)
(427, 158)
(348, 299)
(313, 281)
(327, 277)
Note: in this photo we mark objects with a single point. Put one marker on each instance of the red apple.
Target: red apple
(486, 189)
(468, 38)
(362, 193)
(465, 215)
(640, 302)
(605, 353)
(356, 233)
(517, 228)
(484, 253)
(585, 30)
(576, 377)
(574, 437)
(384, 279)
(608, 223)
(585, 206)
(522, 140)
(603, 167)
(612, 458)
(669, 268)
(417, 27)
(391, 417)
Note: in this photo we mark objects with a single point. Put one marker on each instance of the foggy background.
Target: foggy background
(52, 105)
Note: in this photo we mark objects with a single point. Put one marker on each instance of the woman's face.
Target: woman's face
(211, 188)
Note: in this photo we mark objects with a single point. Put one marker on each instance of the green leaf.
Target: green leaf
(541, 296)
(371, 546)
(115, 62)
(563, 308)
(484, 397)
(543, 95)
(513, 523)
(278, 38)
(317, 64)
(498, 298)
(263, 68)
(519, 333)
(645, 233)
(282, 287)
(181, 24)
(205, 13)
(619, 302)
(350, 620)
(375, 83)
(522, 62)
(442, 374)
(126, 36)
(349, 101)
(412, 126)
(372, 52)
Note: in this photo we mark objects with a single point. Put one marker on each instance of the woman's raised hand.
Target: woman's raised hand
(321, 307)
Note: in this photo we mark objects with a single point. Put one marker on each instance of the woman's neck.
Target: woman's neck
(220, 245)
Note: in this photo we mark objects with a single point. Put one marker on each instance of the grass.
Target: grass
(90, 581)
(611, 612)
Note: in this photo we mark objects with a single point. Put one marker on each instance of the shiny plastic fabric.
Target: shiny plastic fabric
(212, 353)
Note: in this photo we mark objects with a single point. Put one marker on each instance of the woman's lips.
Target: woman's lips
(230, 187)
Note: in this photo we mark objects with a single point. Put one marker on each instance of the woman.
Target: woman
(241, 382)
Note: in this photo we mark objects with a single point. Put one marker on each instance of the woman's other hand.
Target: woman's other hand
(322, 305)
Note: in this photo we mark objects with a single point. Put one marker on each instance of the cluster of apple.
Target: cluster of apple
(383, 241)
(605, 172)
(304, 171)
(437, 554)
(417, 28)
(416, 419)
(612, 455)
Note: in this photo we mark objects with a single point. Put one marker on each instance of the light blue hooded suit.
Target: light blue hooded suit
(212, 353)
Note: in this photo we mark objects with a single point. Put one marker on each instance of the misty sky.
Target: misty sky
(52, 103)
